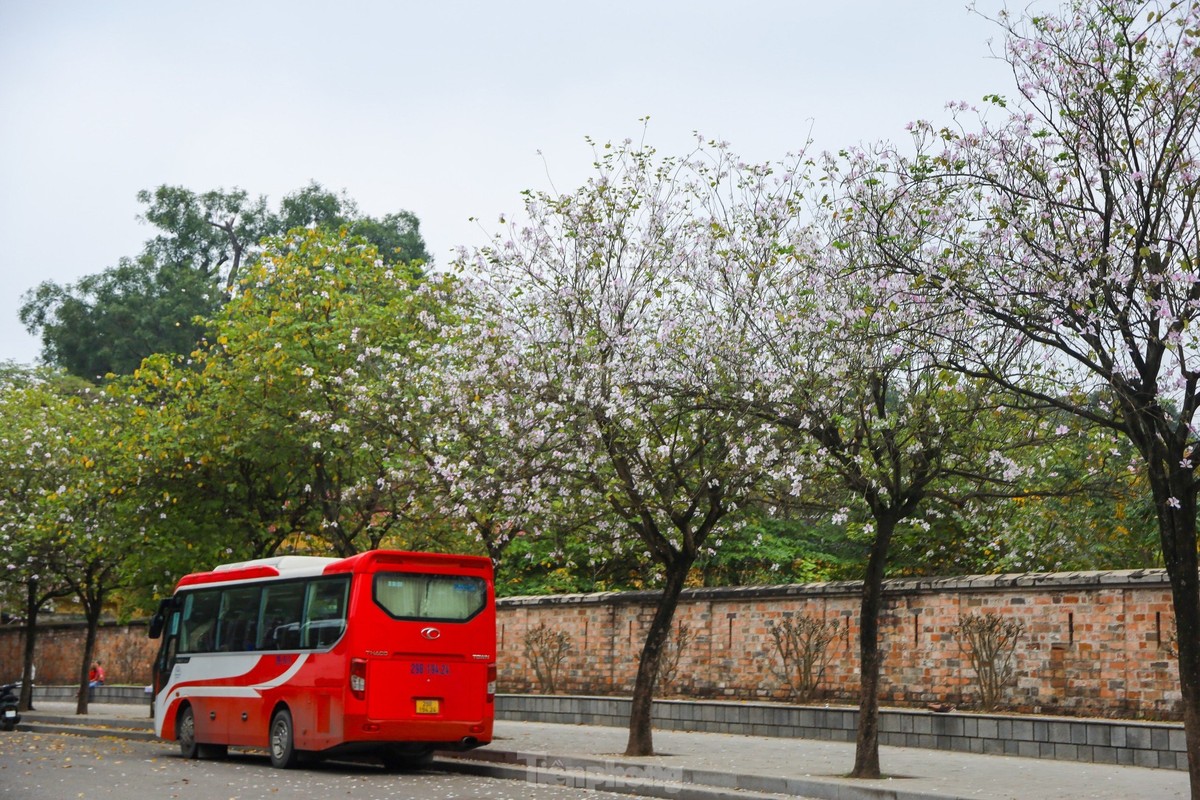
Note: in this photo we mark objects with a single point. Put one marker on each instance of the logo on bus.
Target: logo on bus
(431, 633)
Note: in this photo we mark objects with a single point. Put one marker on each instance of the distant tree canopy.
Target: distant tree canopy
(109, 321)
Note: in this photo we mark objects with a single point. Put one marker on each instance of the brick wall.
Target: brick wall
(1095, 642)
(124, 650)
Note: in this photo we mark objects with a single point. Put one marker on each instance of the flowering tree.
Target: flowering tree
(592, 295)
(33, 446)
(831, 347)
(74, 527)
(489, 460)
(1078, 228)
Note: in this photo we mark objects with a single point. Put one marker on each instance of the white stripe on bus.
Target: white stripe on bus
(238, 691)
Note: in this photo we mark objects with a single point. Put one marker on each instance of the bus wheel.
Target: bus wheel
(185, 732)
(283, 741)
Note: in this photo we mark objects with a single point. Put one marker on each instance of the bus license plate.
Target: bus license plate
(429, 706)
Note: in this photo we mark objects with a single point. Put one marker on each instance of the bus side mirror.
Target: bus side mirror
(165, 607)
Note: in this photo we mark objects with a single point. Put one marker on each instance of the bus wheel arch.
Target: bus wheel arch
(185, 732)
(281, 739)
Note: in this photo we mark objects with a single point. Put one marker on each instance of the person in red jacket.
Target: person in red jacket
(96, 675)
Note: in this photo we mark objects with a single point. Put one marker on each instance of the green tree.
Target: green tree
(293, 357)
(213, 234)
(396, 236)
(208, 500)
(108, 322)
(152, 303)
(772, 548)
(1101, 518)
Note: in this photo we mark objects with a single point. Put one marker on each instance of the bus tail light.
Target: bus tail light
(358, 677)
(491, 683)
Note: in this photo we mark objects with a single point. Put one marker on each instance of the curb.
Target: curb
(574, 779)
(650, 780)
(95, 727)
(93, 731)
(76, 721)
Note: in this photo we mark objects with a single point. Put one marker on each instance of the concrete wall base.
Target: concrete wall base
(1143, 744)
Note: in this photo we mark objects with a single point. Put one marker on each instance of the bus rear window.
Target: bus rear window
(449, 598)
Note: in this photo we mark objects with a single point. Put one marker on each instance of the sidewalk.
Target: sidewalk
(712, 765)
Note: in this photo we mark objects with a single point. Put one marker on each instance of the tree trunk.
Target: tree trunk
(93, 610)
(1178, 531)
(32, 606)
(641, 740)
(866, 743)
(1187, 624)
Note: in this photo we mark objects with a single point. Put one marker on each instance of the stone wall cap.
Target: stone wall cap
(1064, 581)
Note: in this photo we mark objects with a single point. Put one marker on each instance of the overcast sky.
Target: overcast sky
(437, 107)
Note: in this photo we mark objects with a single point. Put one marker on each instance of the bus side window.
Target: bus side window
(281, 608)
(325, 617)
(168, 662)
(199, 620)
(239, 605)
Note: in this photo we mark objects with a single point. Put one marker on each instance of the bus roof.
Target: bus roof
(308, 566)
(281, 563)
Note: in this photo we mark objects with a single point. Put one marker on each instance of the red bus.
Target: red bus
(387, 652)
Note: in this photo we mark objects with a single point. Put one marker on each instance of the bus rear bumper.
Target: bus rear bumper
(439, 734)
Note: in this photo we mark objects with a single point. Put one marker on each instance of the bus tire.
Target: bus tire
(283, 741)
(185, 732)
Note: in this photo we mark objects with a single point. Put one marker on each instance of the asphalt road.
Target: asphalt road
(37, 766)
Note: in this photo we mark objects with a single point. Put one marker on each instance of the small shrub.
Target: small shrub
(802, 647)
(668, 663)
(990, 642)
(546, 650)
